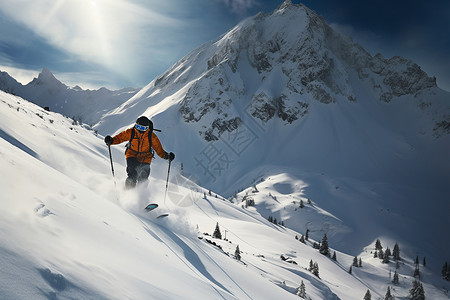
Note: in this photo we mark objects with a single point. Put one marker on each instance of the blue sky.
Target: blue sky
(120, 43)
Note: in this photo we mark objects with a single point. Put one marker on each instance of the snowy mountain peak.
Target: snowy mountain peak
(47, 78)
(277, 65)
(285, 4)
(7, 83)
(46, 74)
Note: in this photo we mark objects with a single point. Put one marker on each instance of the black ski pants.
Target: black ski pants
(137, 172)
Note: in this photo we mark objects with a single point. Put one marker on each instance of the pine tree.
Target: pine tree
(324, 246)
(375, 254)
(237, 253)
(360, 263)
(447, 276)
(367, 296)
(387, 252)
(395, 279)
(302, 291)
(307, 234)
(316, 270)
(396, 252)
(334, 256)
(378, 245)
(302, 204)
(350, 271)
(417, 260)
(388, 295)
(302, 239)
(355, 261)
(424, 262)
(416, 272)
(217, 234)
(385, 259)
(380, 254)
(311, 266)
(417, 292)
(445, 271)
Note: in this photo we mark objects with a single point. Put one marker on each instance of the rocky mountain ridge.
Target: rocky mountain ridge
(82, 105)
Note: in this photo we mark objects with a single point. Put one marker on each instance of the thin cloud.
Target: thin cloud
(239, 7)
(100, 31)
(86, 79)
(23, 76)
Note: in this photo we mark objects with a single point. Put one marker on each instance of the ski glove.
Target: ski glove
(170, 156)
(108, 140)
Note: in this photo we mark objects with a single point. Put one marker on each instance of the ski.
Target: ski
(151, 206)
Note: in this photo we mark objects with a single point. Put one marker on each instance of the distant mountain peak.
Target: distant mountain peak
(286, 4)
(46, 90)
(46, 72)
(46, 77)
(8, 84)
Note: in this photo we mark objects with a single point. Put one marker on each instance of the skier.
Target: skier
(139, 154)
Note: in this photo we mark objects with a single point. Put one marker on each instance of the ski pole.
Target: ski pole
(110, 158)
(112, 165)
(167, 182)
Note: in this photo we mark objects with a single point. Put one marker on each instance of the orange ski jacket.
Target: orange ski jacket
(139, 146)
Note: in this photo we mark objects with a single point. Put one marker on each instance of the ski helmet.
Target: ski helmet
(143, 124)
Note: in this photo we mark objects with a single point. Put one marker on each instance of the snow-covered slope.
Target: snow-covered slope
(65, 233)
(68, 233)
(86, 106)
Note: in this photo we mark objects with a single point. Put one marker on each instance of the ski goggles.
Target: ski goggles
(141, 127)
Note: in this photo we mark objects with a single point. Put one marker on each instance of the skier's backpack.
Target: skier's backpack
(133, 130)
(132, 137)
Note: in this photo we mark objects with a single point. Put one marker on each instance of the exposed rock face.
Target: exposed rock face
(442, 127)
(265, 108)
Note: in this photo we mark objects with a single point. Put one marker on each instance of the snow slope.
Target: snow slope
(65, 234)
(69, 233)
